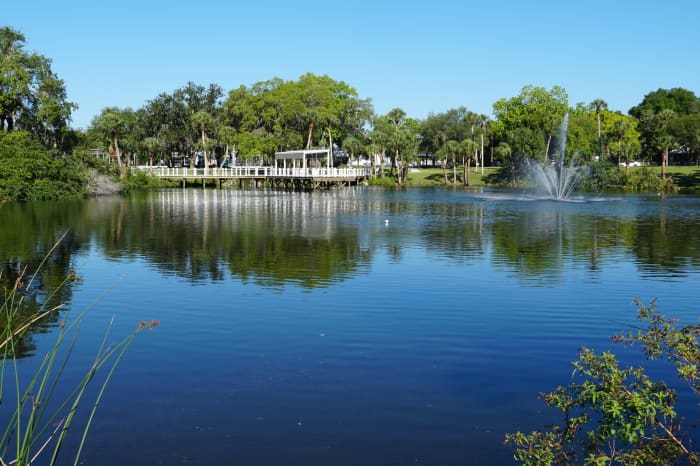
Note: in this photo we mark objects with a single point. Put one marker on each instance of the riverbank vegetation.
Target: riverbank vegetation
(615, 413)
(43, 405)
(42, 157)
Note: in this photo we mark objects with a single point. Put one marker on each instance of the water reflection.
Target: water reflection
(315, 239)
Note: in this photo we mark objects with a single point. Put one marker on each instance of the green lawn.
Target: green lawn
(685, 177)
(435, 176)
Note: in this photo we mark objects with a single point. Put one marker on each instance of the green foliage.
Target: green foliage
(30, 172)
(619, 415)
(397, 136)
(645, 180)
(529, 121)
(32, 97)
(284, 115)
(601, 176)
(141, 179)
(382, 181)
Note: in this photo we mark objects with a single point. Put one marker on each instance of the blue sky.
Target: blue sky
(425, 57)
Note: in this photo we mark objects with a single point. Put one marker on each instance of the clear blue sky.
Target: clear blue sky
(422, 56)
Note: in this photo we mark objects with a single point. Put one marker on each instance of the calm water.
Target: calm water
(349, 327)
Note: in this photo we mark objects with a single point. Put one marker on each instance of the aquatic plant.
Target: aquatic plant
(39, 419)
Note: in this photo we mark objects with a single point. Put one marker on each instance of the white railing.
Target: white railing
(257, 172)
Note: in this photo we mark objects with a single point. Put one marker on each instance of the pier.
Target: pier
(292, 178)
(300, 169)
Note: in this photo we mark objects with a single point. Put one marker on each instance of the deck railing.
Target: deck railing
(257, 172)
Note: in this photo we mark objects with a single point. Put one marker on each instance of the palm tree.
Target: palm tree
(227, 136)
(620, 128)
(201, 120)
(598, 105)
(353, 146)
(467, 147)
(112, 123)
(449, 150)
(484, 127)
(453, 149)
(664, 141)
(503, 152)
(152, 145)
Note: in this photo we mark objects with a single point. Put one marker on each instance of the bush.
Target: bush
(140, 179)
(646, 180)
(602, 176)
(616, 415)
(383, 181)
(29, 172)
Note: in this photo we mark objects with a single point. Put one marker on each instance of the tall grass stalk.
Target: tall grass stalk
(40, 420)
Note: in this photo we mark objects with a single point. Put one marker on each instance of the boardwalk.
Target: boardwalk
(301, 178)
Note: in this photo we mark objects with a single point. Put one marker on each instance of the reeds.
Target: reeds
(39, 420)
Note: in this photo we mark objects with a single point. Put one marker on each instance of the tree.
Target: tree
(284, 115)
(110, 122)
(152, 145)
(652, 122)
(449, 150)
(398, 136)
(664, 140)
(484, 124)
(32, 97)
(203, 120)
(503, 153)
(353, 145)
(168, 119)
(454, 124)
(536, 109)
(468, 148)
(621, 131)
(619, 415)
(598, 105)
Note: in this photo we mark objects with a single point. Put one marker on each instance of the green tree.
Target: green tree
(354, 146)
(682, 102)
(536, 109)
(152, 146)
(398, 136)
(32, 97)
(468, 148)
(449, 151)
(454, 124)
(503, 153)
(168, 119)
(598, 105)
(203, 120)
(111, 123)
(484, 125)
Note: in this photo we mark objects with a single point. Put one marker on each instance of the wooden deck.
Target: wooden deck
(303, 178)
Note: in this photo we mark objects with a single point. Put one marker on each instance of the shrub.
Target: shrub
(29, 172)
(616, 415)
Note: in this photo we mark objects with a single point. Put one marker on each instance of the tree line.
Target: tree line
(205, 125)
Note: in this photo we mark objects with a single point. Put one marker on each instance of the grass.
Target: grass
(38, 423)
(436, 177)
(685, 177)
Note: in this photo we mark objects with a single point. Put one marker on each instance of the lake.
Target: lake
(352, 326)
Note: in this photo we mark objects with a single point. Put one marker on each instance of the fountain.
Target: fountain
(557, 179)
